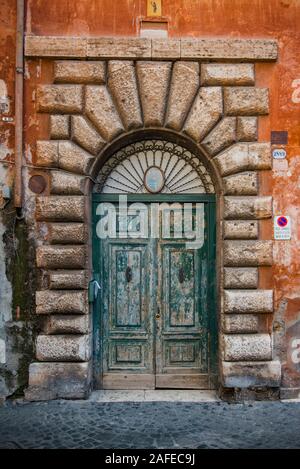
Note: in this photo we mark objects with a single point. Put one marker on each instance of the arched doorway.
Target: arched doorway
(154, 259)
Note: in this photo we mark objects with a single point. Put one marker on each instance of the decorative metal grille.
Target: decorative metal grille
(154, 166)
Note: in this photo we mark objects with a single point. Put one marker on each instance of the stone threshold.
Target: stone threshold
(157, 395)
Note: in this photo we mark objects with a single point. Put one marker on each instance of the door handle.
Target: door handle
(128, 274)
(181, 275)
(158, 313)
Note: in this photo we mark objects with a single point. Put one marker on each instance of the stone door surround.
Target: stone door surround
(104, 91)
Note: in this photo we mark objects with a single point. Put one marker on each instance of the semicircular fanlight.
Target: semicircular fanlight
(154, 166)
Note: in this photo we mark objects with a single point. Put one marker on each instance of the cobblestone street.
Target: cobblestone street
(89, 424)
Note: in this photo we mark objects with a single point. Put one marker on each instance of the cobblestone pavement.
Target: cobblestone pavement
(80, 424)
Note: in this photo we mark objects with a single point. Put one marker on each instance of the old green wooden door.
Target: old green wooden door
(155, 319)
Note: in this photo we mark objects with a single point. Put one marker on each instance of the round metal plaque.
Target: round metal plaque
(154, 179)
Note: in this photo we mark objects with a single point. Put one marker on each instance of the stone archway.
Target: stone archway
(92, 106)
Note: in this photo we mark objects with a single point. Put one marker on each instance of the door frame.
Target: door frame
(209, 199)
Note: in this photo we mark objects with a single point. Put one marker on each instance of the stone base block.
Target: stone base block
(58, 381)
(251, 374)
(289, 393)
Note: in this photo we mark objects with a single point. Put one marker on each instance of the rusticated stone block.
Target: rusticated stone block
(61, 257)
(248, 253)
(77, 71)
(153, 79)
(67, 99)
(248, 301)
(240, 324)
(66, 183)
(60, 126)
(100, 110)
(165, 49)
(62, 302)
(73, 158)
(67, 233)
(240, 229)
(240, 277)
(243, 157)
(221, 136)
(246, 129)
(123, 87)
(86, 135)
(65, 324)
(68, 279)
(247, 374)
(73, 348)
(55, 46)
(58, 381)
(227, 74)
(184, 85)
(248, 347)
(241, 184)
(247, 207)
(205, 113)
(46, 153)
(60, 208)
(119, 47)
(246, 101)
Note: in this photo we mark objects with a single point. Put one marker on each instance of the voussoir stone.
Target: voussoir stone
(247, 207)
(240, 277)
(85, 135)
(71, 348)
(240, 229)
(68, 279)
(248, 347)
(73, 158)
(123, 87)
(59, 126)
(67, 233)
(240, 323)
(61, 257)
(221, 136)
(62, 183)
(184, 85)
(62, 302)
(246, 129)
(205, 113)
(249, 374)
(66, 324)
(247, 101)
(66, 99)
(100, 109)
(248, 301)
(47, 153)
(227, 74)
(245, 183)
(153, 79)
(243, 157)
(60, 208)
(77, 71)
(250, 253)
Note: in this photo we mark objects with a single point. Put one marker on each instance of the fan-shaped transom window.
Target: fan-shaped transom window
(154, 166)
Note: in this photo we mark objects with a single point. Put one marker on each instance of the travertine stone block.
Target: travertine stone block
(165, 49)
(240, 229)
(248, 253)
(240, 277)
(47, 153)
(101, 111)
(73, 158)
(61, 257)
(123, 87)
(245, 183)
(248, 347)
(119, 47)
(77, 71)
(246, 101)
(66, 324)
(227, 74)
(66, 99)
(184, 85)
(221, 136)
(68, 279)
(62, 183)
(67, 233)
(60, 208)
(205, 113)
(248, 301)
(249, 374)
(73, 348)
(246, 129)
(85, 135)
(62, 302)
(247, 207)
(55, 46)
(243, 157)
(59, 126)
(239, 324)
(153, 80)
